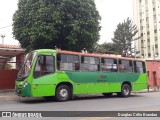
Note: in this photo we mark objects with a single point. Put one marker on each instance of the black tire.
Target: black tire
(107, 94)
(63, 93)
(125, 91)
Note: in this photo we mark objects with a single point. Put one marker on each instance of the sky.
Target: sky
(112, 12)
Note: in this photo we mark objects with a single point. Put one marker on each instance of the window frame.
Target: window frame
(130, 66)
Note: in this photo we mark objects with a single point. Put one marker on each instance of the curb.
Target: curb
(147, 91)
(7, 90)
(6, 98)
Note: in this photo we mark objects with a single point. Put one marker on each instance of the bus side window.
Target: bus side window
(139, 67)
(90, 63)
(125, 66)
(68, 62)
(109, 65)
(135, 66)
(130, 66)
(115, 68)
(120, 66)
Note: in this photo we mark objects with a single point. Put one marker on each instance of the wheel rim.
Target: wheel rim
(126, 91)
(63, 93)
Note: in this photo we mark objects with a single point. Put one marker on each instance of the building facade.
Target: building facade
(8, 75)
(147, 19)
(153, 73)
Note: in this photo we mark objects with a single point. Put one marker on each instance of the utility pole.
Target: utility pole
(3, 36)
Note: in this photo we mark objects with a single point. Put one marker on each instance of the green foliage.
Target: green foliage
(7, 66)
(67, 24)
(124, 36)
(105, 48)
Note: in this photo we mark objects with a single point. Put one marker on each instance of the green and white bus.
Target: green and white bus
(62, 74)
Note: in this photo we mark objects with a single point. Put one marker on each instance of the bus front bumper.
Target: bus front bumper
(23, 91)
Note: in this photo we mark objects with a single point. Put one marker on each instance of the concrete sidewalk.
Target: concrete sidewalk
(10, 95)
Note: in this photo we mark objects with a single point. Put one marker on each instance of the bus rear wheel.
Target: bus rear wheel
(107, 94)
(63, 93)
(125, 91)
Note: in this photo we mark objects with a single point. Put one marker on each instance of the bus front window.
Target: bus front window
(26, 66)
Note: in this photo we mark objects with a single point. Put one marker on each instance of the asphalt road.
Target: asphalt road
(136, 102)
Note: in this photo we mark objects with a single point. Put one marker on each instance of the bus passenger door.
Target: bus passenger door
(43, 76)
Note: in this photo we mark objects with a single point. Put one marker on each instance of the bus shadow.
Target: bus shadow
(35, 100)
(76, 98)
(93, 97)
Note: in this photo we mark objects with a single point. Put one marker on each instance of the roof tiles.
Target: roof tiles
(10, 46)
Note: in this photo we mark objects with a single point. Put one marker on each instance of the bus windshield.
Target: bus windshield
(26, 66)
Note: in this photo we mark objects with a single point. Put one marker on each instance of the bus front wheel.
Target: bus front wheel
(125, 91)
(63, 93)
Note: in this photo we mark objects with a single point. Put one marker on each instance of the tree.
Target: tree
(7, 66)
(107, 48)
(124, 36)
(66, 24)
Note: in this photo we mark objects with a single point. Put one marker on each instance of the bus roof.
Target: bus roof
(97, 55)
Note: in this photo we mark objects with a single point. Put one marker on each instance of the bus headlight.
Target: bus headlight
(25, 84)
